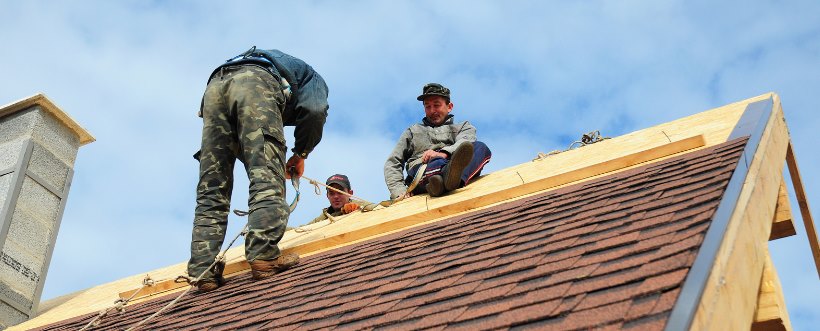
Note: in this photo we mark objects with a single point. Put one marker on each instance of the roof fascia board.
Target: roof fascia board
(715, 294)
(803, 202)
(771, 313)
(783, 222)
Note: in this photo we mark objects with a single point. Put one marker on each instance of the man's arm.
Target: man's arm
(465, 134)
(319, 218)
(311, 109)
(393, 172)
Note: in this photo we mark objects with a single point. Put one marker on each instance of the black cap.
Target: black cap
(434, 89)
(339, 179)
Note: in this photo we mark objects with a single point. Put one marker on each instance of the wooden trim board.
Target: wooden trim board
(469, 204)
(782, 225)
(800, 192)
(729, 297)
(771, 313)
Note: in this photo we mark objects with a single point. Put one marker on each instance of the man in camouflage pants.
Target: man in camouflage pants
(247, 102)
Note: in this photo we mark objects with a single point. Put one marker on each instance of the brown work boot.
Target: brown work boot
(435, 186)
(206, 285)
(261, 269)
(210, 284)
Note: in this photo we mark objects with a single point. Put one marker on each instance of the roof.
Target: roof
(637, 231)
(612, 252)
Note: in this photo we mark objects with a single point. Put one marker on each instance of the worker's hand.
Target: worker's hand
(350, 207)
(430, 155)
(295, 166)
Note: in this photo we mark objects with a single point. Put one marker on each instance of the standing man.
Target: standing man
(340, 204)
(247, 102)
(450, 150)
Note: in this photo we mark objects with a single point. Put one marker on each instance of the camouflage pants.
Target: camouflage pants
(242, 114)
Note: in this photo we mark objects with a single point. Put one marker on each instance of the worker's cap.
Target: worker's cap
(341, 180)
(434, 89)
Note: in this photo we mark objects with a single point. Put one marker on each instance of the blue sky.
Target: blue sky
(530, 75)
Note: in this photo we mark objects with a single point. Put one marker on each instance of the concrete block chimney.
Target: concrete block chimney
(38, 146)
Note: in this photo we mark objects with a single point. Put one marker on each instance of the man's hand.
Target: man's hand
(430, 155)
(350, 207)
(295, 166)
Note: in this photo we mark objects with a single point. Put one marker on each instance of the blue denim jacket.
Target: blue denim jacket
(307, 106)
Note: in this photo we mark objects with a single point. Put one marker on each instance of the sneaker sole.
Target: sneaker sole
(458, 161)
(435, 186)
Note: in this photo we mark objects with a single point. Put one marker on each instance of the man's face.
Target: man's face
(337, 200)
(436, 109)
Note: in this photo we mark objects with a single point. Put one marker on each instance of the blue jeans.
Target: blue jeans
(481, 156)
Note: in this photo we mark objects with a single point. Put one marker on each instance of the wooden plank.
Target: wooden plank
(800, 192)
(308, 247)
(730, 296)
(782, 225)
(771, 313)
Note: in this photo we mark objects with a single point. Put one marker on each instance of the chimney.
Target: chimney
(38, 146)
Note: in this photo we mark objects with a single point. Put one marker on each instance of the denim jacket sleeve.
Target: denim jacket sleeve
(311, 112)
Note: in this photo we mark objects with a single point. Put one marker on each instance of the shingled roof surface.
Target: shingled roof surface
(609, 253)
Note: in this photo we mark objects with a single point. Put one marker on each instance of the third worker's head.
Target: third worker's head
(342, 183)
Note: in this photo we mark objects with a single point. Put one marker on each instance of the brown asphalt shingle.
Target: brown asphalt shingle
(611, 253)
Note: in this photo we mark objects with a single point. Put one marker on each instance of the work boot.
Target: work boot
(210, 284)
(206, 285)
(261, 269)
(435, 186)
(459, 160)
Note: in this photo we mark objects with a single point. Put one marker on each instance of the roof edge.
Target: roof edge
(760, 121)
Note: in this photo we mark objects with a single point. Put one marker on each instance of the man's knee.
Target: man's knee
(481, 150)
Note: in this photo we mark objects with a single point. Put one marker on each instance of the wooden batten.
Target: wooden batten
(782, 225)
(729, 296)
(771, 313)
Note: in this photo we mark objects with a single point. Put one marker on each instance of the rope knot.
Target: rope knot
(183, 279)
(119, 305)
(147, 281)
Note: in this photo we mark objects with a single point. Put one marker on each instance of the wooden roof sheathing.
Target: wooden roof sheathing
(612, 252)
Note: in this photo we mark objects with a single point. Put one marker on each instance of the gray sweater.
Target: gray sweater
(415, 141)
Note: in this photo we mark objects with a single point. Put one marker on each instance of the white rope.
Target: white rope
(220, 257)
(119, 304)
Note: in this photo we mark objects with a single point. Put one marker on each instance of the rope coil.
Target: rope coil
(588, 138)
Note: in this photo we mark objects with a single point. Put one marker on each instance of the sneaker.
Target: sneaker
(459, 160)
(261, 269)
(435, 186)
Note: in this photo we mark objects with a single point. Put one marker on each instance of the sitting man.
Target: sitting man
(340, 204)
(450, 150)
